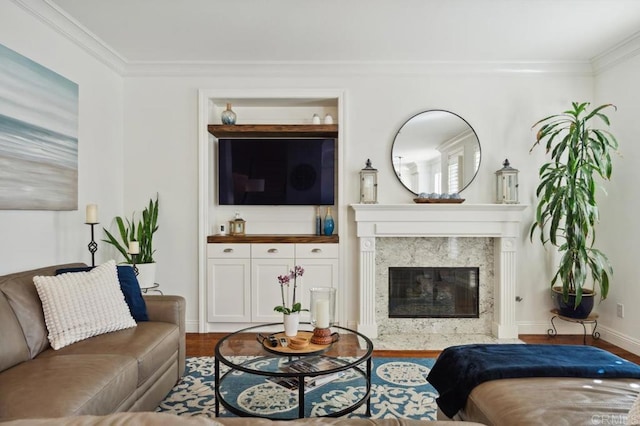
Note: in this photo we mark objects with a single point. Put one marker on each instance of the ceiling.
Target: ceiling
(356, 30)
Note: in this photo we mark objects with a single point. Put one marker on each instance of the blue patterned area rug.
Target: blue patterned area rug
(399, 389)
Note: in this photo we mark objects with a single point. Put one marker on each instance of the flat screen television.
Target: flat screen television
(276, 171)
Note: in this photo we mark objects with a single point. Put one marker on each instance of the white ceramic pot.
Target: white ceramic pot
(291, 323)
(146, 274)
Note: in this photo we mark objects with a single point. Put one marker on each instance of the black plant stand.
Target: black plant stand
(591, 319)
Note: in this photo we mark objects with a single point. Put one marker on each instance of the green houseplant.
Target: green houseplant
(567, 212)
(140, 230)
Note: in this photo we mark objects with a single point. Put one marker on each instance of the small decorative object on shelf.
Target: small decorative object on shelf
(291, 315)
(315, 119)
(368, 184)
(435, 197)
(323, 308)
(328, 119)
(228, 116)
(92, 220)
(507, 184)
(237, 225)
(318, 222)
(328, 222)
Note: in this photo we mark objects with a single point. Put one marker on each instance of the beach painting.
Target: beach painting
(38, 136)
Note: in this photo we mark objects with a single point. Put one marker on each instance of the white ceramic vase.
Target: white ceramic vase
(291, 323)
(146, 274)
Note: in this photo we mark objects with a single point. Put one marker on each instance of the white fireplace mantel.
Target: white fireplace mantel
(500, 221)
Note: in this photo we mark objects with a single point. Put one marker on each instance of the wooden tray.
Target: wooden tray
(439, 200)
(311, 349)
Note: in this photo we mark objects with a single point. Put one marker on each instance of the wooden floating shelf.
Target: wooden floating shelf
(273, 238)
(272, 130)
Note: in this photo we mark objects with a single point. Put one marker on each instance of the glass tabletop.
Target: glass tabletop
(249, 350)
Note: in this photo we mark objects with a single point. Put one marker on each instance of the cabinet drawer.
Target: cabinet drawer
(231, 251)
(276, 251)
(320, 251)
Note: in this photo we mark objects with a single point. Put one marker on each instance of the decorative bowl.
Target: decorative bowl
(298, 342)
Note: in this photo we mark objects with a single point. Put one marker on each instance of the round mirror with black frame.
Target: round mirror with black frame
(436, 152)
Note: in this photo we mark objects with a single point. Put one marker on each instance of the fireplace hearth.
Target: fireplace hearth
(433, 292)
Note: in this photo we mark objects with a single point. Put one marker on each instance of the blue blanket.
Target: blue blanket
(459, 369)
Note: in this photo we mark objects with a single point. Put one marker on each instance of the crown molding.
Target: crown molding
(623, 51)
(56, 18)
(341, 68)
(63, 23)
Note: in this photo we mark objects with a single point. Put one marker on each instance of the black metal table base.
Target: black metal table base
(596, 335)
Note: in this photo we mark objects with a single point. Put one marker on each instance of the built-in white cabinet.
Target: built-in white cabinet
(242, 280)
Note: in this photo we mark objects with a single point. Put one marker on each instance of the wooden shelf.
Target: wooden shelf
(273, 238)
(272, 130)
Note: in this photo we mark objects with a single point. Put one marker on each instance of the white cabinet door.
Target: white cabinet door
(320, 263)
(229, 290)
(265, 288)
(268, 261)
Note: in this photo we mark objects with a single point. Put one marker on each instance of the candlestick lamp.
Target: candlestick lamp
(134, 251)
(91, 218)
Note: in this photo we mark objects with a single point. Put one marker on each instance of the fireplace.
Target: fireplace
(496, 227)
(414, 256)
(441, 292)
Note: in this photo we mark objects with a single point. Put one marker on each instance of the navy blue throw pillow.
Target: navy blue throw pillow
(132, 293)
(129, 286)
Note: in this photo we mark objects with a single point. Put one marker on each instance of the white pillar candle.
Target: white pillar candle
(322, 313)
(134, 247)
(92, 213)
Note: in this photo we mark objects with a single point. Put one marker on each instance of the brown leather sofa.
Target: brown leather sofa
(164, 419)
(558, 401)
(126, 370)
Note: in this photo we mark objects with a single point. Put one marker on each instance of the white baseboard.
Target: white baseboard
(191, 326)
(621, 340)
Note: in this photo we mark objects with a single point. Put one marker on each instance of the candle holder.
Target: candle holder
(92, 246)
(322, 336)
(322, 310)
(135, 268)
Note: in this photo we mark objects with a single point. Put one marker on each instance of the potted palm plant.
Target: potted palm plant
(567, 211)
(141, 232)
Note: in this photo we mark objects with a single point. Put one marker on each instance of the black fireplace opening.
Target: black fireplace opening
(435, 292)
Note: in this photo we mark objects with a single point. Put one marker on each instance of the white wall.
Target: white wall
(619, 230)
(161, 116)
(38, 238)
(138, 136)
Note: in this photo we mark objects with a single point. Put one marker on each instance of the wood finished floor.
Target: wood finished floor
(204, 344)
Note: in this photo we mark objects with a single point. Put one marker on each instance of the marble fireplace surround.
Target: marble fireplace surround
(498, 221)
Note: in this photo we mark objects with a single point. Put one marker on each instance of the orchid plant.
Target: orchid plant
(285, 280)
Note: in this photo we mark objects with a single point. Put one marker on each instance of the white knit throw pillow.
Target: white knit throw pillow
(78, 305)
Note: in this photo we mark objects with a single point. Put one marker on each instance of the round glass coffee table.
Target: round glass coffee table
(254, 378)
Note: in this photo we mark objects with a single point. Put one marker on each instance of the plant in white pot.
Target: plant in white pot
(567, 211)
(140, 231)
